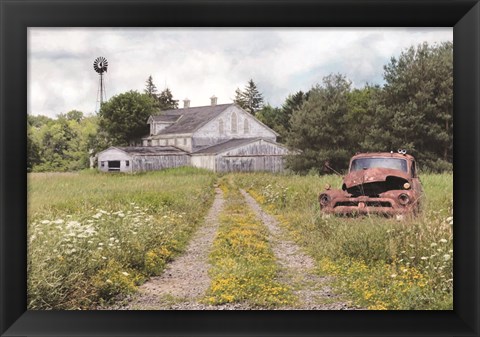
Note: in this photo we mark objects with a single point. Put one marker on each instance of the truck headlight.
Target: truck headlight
(403, 199)
(324, 199)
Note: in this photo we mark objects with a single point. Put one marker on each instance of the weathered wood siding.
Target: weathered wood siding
(256, 156)
(223, 128)
(160, 162)
(250, 164)
(183, 142)
(114, 155)
(204, 161)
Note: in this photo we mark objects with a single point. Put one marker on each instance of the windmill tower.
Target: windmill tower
(100, 66)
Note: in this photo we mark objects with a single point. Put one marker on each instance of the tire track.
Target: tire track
(185, 279)
(298, 269)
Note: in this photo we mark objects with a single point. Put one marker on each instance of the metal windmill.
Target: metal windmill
(100, 66)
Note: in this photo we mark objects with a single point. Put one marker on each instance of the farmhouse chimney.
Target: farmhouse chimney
(213, 100)
(186, 103)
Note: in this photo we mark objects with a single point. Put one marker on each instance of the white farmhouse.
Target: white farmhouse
(219, 137)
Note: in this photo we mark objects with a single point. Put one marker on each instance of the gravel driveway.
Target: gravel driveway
(298, 269)
(185, 280)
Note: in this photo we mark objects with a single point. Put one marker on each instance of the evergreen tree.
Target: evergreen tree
(317, 127)
(166, 101)
(292, 103)
(150, 88)
(416, 109)
(250, 99)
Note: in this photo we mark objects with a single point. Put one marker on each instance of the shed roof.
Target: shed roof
(227, 145)
(189, 119)
(170, 118)
(150, 150)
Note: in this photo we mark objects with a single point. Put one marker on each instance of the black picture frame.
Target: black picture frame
(16, 16)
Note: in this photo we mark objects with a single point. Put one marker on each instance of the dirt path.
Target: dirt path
(185, 280)
(297, 267)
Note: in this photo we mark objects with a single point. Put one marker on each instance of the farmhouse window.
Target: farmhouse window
(246, 126)
(220, 126)
(102, 164)
(234, 122)
(127, 163)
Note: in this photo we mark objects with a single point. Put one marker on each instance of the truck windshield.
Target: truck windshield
(390, 163)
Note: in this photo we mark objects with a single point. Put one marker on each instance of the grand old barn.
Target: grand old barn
(219, 137)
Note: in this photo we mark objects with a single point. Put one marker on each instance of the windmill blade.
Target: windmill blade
(100, 64)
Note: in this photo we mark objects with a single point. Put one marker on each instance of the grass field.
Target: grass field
(92, 238)
(380, 263)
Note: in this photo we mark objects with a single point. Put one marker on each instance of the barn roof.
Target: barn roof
(170, 118)
(151, 150)
(231, 144)
(189, 119)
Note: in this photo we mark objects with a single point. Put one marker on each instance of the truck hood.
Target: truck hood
(372, 175)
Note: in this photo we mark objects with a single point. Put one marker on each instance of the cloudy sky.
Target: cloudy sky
(197, 63)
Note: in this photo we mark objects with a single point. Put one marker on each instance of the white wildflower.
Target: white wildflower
(424, 258)
(433, 244)
(393, 275)
(58, 221)
(104, 257)
(125, 273)
(109, 281)
(45, 222)
(443, 241)
(446, 257)
(100, 243)
(72, 224)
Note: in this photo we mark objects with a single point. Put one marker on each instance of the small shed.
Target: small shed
(140, 159)
(241, 155)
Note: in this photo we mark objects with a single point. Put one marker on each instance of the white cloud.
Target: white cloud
(197, 63)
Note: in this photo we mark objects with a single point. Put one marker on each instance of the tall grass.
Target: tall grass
(381, 263)
(94, 237)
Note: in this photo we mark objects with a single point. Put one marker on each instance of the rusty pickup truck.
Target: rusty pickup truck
(383, 183)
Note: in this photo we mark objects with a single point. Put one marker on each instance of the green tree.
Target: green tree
(317, 127)
(150, 88)
(279, 118)
(123, 118)
(33, 150)
(250, 99)
(166, 101)
(416, 109)
(270, 116)
(74, 115)
(362, 112)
